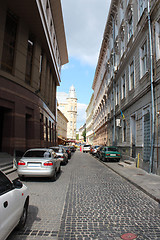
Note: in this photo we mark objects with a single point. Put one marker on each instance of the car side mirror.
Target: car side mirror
(17, 184)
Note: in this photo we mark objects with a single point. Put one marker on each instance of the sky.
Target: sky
(84, 22)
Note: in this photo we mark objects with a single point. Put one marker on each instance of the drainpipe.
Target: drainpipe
(152, 89)
(114, 121)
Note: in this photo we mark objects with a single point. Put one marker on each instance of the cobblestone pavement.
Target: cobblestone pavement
(90, 202)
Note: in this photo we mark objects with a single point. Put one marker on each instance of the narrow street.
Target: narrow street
(88, 201)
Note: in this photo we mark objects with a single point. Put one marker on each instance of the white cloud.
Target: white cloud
(81, 114)
(84, 22)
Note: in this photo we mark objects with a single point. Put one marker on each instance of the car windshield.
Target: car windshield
(86, 145)
(56, 150)
(112, 149)
(36, 154)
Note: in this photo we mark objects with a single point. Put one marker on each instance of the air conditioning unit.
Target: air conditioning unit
(118, 122)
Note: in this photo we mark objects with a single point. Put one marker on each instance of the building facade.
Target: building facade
(61, 128)
(89, 122)
(127, 82)
(68, 105)
(81, 130)
(32, 51)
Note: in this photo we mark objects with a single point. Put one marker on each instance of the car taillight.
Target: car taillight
(107, 154)
(61, 157)
(21, 163)
(118, 154)
(48, 163)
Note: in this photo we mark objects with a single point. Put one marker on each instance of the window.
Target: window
(117, 94)
(121, 10)
(122, 43)
(142, 6)
(47, 9)
(9, 43)
(29, 60)
(130, 27)
(46, 130)
(40, 69)
(5, 184)
(37, 154)
(123, 86)
(124, 133)
(143, 59)
(112, 100)
(157, 39)
(131, 76)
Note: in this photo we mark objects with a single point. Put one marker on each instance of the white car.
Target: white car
(39, 162)
(86, 148)
(14, 201)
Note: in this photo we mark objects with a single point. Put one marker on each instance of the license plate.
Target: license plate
(34, 165)
(112, 155)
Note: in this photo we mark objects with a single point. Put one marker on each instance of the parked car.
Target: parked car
(73, 149)
(86, 148)
(68, 150)
(110, 153)
(39, 162)
(61, 154)
(94, 150)
(14, 201)
(98, 151)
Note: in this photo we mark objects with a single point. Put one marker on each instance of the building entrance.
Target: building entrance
(6, 124)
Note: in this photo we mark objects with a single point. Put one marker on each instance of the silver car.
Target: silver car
(61, 154)
(39, 162)
(14, 201)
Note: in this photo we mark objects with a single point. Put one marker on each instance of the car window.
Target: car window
(56, 150)
(112, 149)
(37, 154)
(5, 184)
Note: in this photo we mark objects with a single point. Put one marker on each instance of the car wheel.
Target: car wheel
(59, 170)
(21, 178)
(23, 218)
(54, 177)
(103, 159)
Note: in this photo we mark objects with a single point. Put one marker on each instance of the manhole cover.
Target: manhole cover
(128, 236)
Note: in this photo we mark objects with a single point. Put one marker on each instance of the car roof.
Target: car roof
(39, 149)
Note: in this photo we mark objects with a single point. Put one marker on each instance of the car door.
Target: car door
(10, 209)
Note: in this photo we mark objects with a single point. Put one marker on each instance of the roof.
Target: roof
(59, 28)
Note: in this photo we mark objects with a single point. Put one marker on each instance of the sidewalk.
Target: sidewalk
(148, 183)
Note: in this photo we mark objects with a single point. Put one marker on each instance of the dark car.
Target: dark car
(68, 150)
(98, 151)
(73, 149)
(93, 150)
(110, 153)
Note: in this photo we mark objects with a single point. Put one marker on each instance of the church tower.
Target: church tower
(72, 113)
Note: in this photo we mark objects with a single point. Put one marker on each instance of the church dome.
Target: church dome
(72, 92)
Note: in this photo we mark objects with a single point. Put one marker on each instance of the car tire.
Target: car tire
(23, 218)
(21, 178)
(59, 170)
(54, 177)
(103, 159)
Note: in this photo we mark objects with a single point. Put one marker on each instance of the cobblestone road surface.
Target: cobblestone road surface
(88, 201)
